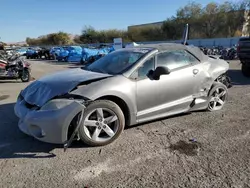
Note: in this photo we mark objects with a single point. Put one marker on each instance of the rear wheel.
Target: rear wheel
(245, 70)
(103, 122)
(217, 97)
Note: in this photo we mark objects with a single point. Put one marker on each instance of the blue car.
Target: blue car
(90, 55)
(55, 51)
(32, 53)
(22, 51)
(70, 54)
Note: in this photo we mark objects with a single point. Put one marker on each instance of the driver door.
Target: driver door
(172, 93)
(177, 90)
(146, 89)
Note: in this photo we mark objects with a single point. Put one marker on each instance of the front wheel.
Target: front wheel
(25, 77)
(217, 97)
(103, 122)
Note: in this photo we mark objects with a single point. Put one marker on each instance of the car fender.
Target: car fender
(213, 69)
(120, 87)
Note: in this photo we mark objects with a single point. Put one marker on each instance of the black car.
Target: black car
(44, 53)
(243, 51)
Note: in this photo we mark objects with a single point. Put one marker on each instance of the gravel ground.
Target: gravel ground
(156, 154)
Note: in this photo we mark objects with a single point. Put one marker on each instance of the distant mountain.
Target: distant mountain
(16, 43)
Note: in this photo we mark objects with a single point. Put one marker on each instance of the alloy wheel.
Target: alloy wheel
(217, 99)
(101, 124)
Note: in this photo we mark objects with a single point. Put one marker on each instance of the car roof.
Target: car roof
(175, 46)
(244, 38)
(163, 46)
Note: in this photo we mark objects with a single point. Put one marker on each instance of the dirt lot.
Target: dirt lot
(157, 154)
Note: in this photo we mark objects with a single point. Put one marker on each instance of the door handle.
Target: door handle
(195, 71)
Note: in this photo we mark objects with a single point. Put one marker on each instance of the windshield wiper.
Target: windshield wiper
(96, 70)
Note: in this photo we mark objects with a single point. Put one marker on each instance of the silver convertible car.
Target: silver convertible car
(124, 88)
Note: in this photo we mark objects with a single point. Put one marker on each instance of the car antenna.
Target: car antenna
(185, 36)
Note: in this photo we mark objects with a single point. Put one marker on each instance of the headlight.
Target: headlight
(57, 104)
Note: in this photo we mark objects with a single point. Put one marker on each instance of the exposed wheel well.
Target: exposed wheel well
(121, 103)
(224, 79)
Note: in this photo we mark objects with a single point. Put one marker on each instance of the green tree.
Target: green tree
(211, 20)
(77, 40)
(89, 35)
(233, 17)
(173, 28)
(59, 38)
(191, 14)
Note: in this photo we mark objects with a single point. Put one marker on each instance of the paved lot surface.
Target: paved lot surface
(157, 154)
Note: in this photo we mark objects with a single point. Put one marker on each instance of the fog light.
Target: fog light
(36, 131)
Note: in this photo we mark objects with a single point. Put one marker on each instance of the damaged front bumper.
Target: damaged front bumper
(50, 123)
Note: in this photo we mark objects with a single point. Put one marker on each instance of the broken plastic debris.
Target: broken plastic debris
(192, 140)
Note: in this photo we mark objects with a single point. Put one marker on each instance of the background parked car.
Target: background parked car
(32, 53)
(54, 52)
(70, 54)
(243, 51)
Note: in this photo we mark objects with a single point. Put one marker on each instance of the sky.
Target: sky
(32, 18)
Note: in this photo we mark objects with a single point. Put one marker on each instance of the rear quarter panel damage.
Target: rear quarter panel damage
(213, 68)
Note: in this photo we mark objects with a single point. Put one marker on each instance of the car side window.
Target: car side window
(173, 59)
(191, 58)
(144, 69)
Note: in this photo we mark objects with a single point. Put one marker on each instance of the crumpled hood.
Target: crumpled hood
(48, 87)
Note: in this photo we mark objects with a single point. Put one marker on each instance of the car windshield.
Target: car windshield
(118, 61)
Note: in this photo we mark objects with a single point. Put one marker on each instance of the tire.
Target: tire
(66, 59)
(25, 78)
(217, 86)
(82, 62)
(245, 70)
(86, 132)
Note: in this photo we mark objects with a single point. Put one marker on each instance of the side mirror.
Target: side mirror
(160, 71)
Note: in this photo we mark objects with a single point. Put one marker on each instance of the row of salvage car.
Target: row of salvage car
(68, 53)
